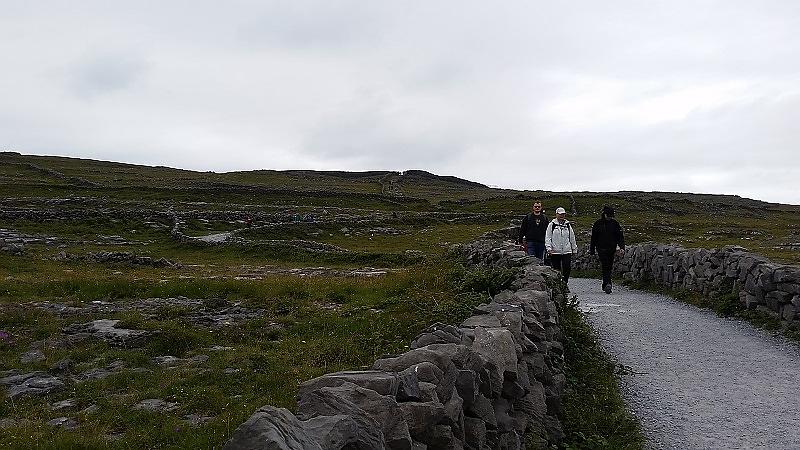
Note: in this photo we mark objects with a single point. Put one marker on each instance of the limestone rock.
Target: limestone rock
(271, 428)
(33, 383)
(106, 329)
(32, 356)
(384, 409)
(156, 404)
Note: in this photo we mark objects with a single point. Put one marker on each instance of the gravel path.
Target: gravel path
(699, 381)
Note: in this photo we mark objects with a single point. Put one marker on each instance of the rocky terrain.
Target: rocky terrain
(152, 307)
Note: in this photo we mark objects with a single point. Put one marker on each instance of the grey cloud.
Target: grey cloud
(308, 24)
(106, 73)
(675, 95)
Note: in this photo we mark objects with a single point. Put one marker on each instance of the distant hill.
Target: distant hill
(692, 219)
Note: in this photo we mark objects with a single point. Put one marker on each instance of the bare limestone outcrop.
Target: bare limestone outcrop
(484, 384)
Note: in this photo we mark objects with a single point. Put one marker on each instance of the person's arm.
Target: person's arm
(521, 239)
(572, 242)
(548, 238)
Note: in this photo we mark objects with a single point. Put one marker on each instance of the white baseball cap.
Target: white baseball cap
(560, 210)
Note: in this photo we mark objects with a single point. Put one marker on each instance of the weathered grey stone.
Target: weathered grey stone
(64, 422)
(156, 404)
(779, 296)
(98, 373)
(510, 441)
(353, 400)
(197, 359)
(534, 297)
(789, 312)
(336, 432)
(63, 365)
(482, 408)
(498, 306)
(32, 356)
(554, 430)
(384, 383)
(786, 275)
(427, 372)
(33, 383)
(485, 321)
(411, 358)
(462, 356)
(502, 408)
(68, 403)
(106, 329)
(421, 418)
(466, 386)
(197, 420)
(91, 409)
(441, 437)
(497, 346)
(474, 432)
(792, 288)
(750, 301)
(436, 354)
(437, 333)
(534, 329)
(167, 360)
(512, 389)
(533, 403)
(271, 428)
(502, 296)
(454, 414)
(428, 392)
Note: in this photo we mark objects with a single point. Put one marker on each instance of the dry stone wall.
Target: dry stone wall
(760, 283)
(482, 385)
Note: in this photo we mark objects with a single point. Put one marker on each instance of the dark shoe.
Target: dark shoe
(607, 288)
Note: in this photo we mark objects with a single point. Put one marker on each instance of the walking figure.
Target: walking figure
(560, 243)
(532, 231)
(608, 240)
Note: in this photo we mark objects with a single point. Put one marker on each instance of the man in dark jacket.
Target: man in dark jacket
(532, 230)
(607, 239)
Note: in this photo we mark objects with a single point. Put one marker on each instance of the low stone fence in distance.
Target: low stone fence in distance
(484, 384)
(760, 283)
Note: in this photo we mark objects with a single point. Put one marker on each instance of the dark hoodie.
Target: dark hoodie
(533, 228)
(606, 233)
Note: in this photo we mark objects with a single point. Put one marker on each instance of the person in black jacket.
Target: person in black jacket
(532, 230)
(607, 239)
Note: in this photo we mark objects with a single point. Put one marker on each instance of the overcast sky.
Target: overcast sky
(690, 96)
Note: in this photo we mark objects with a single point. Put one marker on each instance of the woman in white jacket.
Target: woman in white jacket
(559, 240)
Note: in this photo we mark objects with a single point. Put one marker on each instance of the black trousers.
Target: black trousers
(606, 256)
(563, 264)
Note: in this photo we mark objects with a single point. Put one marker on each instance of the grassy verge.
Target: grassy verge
(594, 415)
